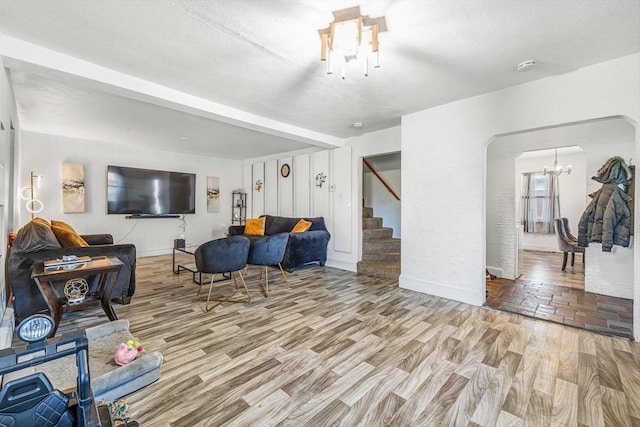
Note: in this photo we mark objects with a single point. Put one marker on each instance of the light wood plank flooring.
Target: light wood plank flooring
(343, 349)
(546, 267)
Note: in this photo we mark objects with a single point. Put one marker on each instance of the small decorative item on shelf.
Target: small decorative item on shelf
(238, 207)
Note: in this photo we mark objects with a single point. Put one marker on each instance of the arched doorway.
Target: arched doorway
(555, 296)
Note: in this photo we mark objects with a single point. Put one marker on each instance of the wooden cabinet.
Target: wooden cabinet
(238, 208)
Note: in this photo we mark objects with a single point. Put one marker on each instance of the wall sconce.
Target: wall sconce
(33, 205)
(258, 185)
(320, 179)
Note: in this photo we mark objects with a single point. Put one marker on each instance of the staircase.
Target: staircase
(380, 252)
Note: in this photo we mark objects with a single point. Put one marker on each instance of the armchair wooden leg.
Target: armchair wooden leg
(266, 279)
(228, 298)
(573, 258)
(284, 276)
(564, 260)
(207, 308)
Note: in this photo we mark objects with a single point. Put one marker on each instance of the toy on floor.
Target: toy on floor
(127, 352)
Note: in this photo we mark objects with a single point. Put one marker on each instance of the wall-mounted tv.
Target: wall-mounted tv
(150, 192)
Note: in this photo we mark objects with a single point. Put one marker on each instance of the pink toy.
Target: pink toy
(127, 352)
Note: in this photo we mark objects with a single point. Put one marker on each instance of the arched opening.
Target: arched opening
(528, 266)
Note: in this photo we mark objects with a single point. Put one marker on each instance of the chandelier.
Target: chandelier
(351, 38)
(557, 169)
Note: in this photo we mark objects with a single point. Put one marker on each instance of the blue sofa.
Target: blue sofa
(302, 248)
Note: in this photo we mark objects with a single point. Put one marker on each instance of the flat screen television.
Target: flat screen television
(150, 192)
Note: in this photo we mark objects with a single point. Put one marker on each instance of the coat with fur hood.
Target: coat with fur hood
(607, 219)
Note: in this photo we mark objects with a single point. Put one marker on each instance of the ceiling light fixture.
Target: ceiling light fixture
(351, 38)
(557, 169)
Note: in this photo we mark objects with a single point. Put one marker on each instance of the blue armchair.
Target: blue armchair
(266, 252)
(228, 255)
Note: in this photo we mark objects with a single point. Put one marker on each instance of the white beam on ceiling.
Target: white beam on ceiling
(26, 56)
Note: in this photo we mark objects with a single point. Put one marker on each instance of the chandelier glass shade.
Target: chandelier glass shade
(558, 169)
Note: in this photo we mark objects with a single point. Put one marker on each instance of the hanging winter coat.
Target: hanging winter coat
(607, 219)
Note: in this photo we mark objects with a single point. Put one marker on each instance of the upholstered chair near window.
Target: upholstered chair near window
(227, 255)
(567, 230)
(566, 245)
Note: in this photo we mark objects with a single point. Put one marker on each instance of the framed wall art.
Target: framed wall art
(73, 189)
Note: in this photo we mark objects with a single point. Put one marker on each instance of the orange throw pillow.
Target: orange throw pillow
(254, 226)
(66, 235)
(301, 226)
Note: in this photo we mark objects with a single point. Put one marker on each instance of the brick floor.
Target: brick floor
(560, 304)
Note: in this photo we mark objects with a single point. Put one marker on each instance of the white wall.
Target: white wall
(384, 205)
(341, 200)
(302, 186)
(8, 115)
(444, 168)
(609, 273)
(271, 174)
(285, 188)
(44, 154)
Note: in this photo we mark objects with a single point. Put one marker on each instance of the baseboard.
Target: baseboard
(154, 252)
(537, 248)
(496, 271)
(457, 293)
(342, 265)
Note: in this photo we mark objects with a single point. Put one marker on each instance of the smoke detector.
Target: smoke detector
(526, 65)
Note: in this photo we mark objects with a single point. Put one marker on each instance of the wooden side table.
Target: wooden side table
(47, 279)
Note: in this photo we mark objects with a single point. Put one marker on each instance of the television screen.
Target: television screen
(149, 192)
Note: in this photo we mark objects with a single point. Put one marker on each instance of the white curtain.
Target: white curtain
(540, 202)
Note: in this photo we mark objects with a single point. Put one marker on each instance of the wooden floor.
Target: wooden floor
(343, 349)
(546, 267)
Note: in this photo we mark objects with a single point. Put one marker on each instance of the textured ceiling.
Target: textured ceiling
(262, 57)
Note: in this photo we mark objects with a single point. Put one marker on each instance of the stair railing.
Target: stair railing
(381, 179)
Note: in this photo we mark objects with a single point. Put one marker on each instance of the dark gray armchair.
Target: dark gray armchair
(567, 243)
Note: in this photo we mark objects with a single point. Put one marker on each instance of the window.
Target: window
(540, 202)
